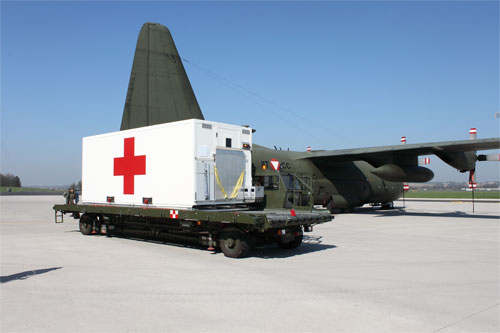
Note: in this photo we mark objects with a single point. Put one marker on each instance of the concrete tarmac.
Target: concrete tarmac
(433, 268)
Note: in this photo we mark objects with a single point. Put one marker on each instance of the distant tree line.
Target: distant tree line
(9, 180)
(77, 186)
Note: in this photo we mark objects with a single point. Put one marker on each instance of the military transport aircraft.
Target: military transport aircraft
(159, 91)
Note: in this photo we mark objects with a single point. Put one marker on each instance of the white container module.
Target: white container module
(180, 164)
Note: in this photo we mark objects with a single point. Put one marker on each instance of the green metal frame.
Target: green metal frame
(266, 219)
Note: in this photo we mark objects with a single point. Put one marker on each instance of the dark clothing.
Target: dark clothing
(70, 197)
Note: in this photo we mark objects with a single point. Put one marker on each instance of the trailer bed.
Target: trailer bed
(261, 219)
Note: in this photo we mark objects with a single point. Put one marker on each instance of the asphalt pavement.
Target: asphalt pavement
(431, 268)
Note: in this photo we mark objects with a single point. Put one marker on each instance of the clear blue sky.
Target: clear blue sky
(357, 74)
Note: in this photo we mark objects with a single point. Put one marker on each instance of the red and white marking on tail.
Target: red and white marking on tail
(473, 133)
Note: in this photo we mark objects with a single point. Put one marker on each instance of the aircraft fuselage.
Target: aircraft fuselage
(290, 180)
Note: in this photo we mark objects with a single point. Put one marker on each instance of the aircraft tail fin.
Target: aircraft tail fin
(159, 90)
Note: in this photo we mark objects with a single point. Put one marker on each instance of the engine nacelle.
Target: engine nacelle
(463, 161)
(397, 173)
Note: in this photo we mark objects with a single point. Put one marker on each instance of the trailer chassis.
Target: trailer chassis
(234, 231)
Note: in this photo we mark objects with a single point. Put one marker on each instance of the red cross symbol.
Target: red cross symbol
(129, 165)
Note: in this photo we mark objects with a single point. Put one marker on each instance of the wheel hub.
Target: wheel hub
(230, 243)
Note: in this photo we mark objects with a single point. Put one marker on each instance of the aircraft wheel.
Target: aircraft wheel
(387, 206)
(329, 206)
(235, 244)
(86, 225)
(293, 244)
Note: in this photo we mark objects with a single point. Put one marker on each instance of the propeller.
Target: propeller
(489, 157)
(472, 173)
(480, 158)
(424, 161)
(472, 179)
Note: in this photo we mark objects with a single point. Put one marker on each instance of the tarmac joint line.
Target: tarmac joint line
(472, 315)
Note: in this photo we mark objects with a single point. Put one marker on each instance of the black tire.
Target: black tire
(387, 206)
(235, 244)
(329, 206)
(86, 225)
(293, 244)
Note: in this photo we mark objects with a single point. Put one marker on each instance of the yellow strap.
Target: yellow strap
(219, 183)
(238, 185)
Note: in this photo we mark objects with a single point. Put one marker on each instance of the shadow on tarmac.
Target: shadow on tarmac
(310, 244)
(25, 275)
(402, 212)
(277, 252)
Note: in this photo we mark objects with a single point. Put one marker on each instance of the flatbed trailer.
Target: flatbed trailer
(234, 231)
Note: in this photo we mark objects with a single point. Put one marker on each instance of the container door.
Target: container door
(229, 174)
(204, 173)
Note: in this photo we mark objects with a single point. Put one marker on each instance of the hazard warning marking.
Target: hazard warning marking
(174, 214)
(275, 164)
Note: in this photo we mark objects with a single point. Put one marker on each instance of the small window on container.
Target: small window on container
(229, 143)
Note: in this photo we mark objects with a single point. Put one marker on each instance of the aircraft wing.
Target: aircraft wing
(459, 154)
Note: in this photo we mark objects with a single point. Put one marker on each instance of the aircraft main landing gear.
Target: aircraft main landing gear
(387, 206)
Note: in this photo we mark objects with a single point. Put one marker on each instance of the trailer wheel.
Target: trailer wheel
(86, 225)
(293, 244)
(235, 244)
